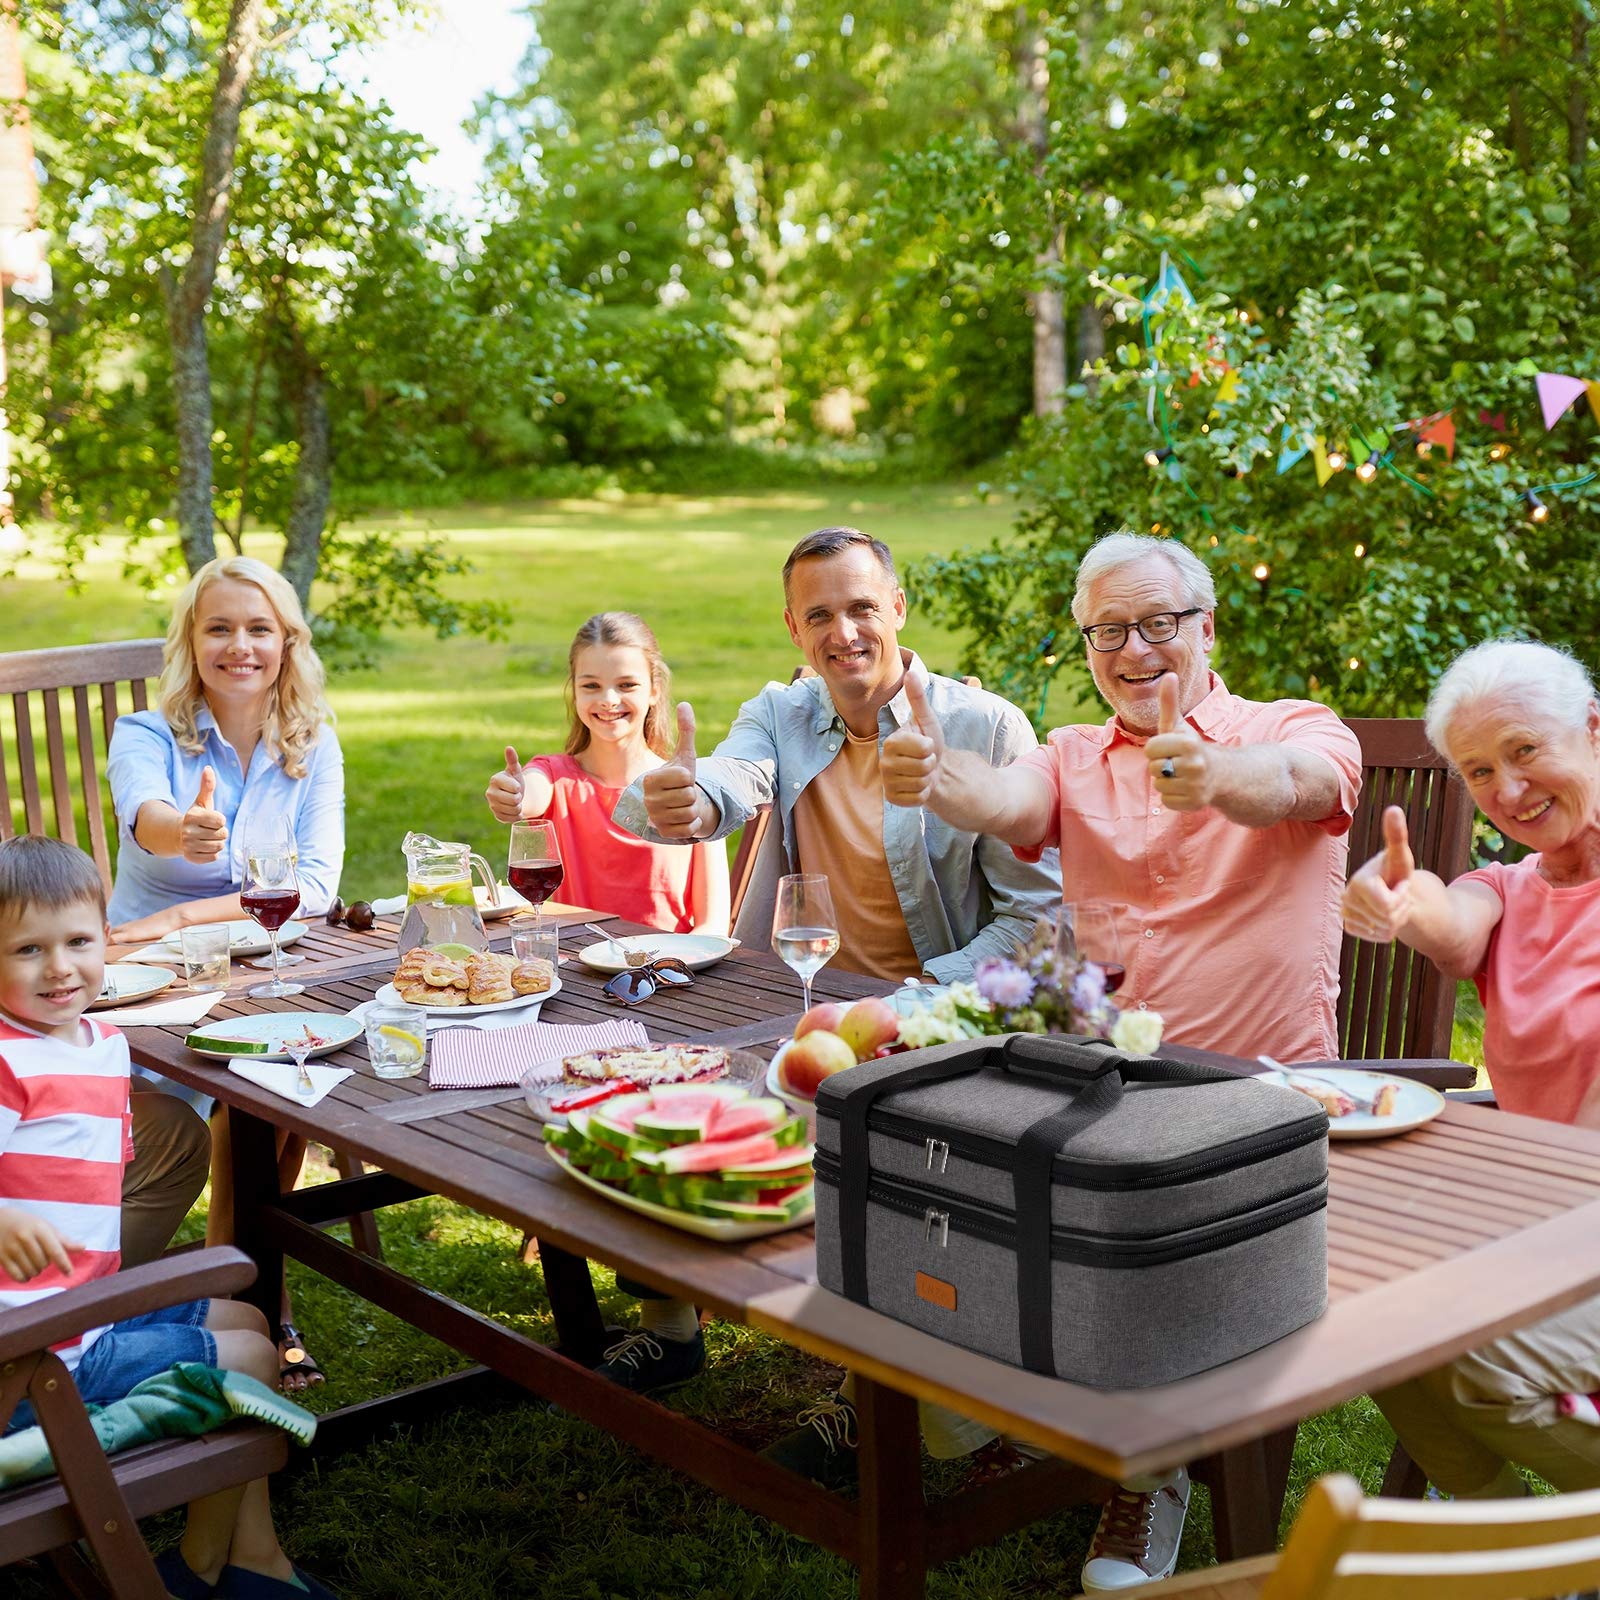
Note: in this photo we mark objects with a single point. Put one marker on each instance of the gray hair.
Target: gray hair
(1538, 677)
(1123, 549)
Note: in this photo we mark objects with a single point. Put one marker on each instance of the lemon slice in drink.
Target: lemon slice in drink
(407, 1046)
(456, 952)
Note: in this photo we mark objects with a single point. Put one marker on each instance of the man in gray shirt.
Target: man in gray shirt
(912, 893)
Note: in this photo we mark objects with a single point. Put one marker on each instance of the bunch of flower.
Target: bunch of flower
(1042, 991)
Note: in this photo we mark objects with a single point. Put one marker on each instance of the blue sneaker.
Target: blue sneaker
(646, 1364)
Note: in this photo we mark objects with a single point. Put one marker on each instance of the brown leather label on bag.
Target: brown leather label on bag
(937, 1291)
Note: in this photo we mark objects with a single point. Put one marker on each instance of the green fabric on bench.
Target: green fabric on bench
(184, 1402)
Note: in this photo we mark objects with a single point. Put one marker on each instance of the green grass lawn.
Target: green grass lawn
(526, 1503)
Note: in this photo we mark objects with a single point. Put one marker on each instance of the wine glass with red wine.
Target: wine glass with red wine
(1097, 938)
(534, 865)
(271, 892)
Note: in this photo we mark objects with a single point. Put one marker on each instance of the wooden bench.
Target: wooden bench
(99, 1498)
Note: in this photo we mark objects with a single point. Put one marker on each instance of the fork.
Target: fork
(299, 1049)
(1360, 1102)
(634, 958)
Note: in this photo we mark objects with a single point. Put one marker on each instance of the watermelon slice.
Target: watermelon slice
(744, 1119)
(774, 1168)
(678, 1119)
(745, 1211)
(709, 1155)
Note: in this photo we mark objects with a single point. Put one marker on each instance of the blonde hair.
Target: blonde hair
(296, 708)
(622, 629)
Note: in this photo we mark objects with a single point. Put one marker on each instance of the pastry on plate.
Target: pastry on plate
(489, 979)
(645, 1066)
(532, 976)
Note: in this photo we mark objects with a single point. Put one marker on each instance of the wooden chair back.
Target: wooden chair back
(99, 1498)
(1394, 1003)
(67, 700)
(1344, 1546)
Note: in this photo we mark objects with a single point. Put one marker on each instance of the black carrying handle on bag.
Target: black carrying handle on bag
(1091, 1071)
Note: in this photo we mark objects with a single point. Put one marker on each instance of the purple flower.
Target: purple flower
(1004, 984)
(1088, 988)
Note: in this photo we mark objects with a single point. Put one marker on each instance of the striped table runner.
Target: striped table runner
(464, 1058)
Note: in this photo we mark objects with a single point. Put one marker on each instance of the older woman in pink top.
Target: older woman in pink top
(1521, 723)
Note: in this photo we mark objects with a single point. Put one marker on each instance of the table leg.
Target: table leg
(892, 1511)
(580, 1334)
(253, 1150)
(1247, 1486)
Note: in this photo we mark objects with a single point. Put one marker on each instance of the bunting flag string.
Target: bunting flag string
(1559, 393)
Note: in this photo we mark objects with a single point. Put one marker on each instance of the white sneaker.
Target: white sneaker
(1138, 1536)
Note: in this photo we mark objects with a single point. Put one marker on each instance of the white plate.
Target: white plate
(247, 938)
(507, 905)
(126, 982)
(274, 1026)
(723, 1228)
(388, 995)
(1414, 1105)
(693, 949)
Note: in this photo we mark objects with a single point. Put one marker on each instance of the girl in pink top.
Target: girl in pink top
(621, 720)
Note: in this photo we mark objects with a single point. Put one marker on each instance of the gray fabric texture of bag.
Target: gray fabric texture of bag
(1112, 1220)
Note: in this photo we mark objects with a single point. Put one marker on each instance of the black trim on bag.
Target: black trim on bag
(997, 1227)
(1108, 1176)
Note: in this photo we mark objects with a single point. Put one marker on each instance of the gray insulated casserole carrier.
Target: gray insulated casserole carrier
(1113, 1220)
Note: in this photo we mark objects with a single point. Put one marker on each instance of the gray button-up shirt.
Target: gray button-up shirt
(964, 896)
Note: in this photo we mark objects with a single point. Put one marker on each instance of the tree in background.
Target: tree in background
(1382, 217)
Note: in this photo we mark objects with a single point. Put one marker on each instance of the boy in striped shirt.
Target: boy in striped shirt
(64, 1139)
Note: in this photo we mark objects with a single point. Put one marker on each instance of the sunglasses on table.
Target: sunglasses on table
(639, 983)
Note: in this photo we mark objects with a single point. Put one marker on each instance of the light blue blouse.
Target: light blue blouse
(146, 763)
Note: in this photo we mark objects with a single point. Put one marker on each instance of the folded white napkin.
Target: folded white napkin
(154, 952)
(463, 1059)
(389, 906)
(163, 1013)
(282, 1078)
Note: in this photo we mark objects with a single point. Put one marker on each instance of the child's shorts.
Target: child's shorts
(134, 1349)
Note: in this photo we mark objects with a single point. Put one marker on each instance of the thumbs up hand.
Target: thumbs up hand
(505, 790)
(911, 755)
(1377, 899)
(204, 830)
(674, 802)
(1181, 770)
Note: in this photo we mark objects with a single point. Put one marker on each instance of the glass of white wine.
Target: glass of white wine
(805, 932)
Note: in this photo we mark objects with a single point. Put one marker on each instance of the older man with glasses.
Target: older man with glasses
(1215, 826)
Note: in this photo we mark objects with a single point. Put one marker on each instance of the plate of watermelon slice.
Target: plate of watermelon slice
(709, 1158)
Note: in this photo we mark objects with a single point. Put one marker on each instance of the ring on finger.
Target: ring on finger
(1168, 770)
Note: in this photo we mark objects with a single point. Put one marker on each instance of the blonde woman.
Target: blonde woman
(242, 735)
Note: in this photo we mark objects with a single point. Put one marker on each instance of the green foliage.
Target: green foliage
(1370, 244)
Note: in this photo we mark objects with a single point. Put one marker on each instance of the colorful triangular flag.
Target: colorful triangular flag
(1556, 395)
(1169, 285)
(1441, 430)
(1493, 419)
(1290, 449)
(1594, 398)
(1319, 459)
(1228, 389)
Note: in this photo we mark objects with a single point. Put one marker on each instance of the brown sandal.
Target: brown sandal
(295, 1361)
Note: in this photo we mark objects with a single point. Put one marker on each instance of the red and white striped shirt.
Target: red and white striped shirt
(65, 1135)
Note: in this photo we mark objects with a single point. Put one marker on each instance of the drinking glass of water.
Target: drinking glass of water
(805, 932)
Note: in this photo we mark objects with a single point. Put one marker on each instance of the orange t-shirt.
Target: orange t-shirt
(610, 869)
(838, 830)
(1540, 986)
(1231, 933)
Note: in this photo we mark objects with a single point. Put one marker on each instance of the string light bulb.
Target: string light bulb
(1355, 663)
(1368, 470)
(1336, 461)
(1153, 457)
(1498, 451)
(1424, 447)
(1261, 572)
(1537, 509)
(1050, 661)
(1361, 550)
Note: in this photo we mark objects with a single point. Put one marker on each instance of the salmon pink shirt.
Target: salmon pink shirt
(610, 869)
(1231, 933)
(1540, 986)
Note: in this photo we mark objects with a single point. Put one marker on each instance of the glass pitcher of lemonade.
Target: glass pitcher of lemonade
(440, 908)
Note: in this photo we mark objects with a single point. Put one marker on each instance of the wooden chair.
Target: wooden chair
(1394, 1003)
(75, 695)
(1346, 1547)
(99, 1498)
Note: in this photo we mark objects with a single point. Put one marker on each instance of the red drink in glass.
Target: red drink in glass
(1114, 973)
(535, 881)
(270, 907)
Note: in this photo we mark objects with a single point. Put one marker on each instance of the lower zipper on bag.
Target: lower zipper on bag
(1000, 1154)
(994, 1226)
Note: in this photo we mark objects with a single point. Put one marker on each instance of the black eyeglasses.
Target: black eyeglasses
(639, 983)
(1109, 636)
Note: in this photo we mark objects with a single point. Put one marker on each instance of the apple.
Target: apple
(826, 1015)
(807, 1061)
(868, 1025)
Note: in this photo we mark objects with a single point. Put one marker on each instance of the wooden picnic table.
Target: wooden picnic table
(1476, 1224)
